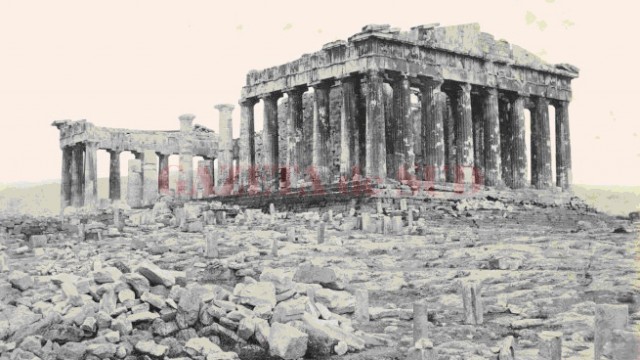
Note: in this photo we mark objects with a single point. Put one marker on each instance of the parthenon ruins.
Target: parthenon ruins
(466, 127)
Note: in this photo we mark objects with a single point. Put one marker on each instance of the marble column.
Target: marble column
(65, 188)
(77, 176)
(247, 141)
(90, 174)
(403, 136)
(492, 149)
(150, 178)
(505, 141)
(270, 142)
(477, 119)
(114, 175)
(321, 137)
(349, 135)
(185, 172)
(563, 145)
(449, 122)
(376, 158)
(225, 148)
(163, 174)
(433, 130)
(519, 161)
(541, 175)
(294, 136)
(464, 135)
(134, 183)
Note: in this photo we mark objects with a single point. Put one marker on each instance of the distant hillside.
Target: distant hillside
(44, 198)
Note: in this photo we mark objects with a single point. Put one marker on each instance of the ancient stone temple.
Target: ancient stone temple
(432, 105)
(149, 172)
(468, 125)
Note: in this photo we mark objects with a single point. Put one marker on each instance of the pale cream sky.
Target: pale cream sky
(140, 64)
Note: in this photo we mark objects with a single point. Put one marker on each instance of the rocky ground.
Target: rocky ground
(210, 281)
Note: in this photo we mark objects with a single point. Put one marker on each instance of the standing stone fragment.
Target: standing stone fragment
(472, 303)
(211, 245)
(608, 318)
(550, 347)
(321, 230)
(134, 183)
(362, 305)
(420, 321)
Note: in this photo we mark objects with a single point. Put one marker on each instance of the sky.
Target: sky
(141, 64)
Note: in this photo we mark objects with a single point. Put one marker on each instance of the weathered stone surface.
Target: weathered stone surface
(20, 280)
(102, 350)
(150, 348)
(201, 346)
(259, 294)
(340, 302)
(287, 342)
(156, 275)
(188, 309)
(281, 279)
(311, 274)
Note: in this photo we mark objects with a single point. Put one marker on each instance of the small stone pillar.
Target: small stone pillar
(472, 303)
(90, 174)
(114, 175)
(272, 209)
(203, 179)
(211, 245)
(134, 183)
(225, 148)
(150, 178)
(550, 346)
(163, 174)
(397, 224)
(362, 305)
(321, 230)
(420, 321)
(274, 248)
(365, 220)
(608, 317)
(291, 235)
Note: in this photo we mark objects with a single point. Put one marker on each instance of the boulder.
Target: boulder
(340, 302)
(149, 347)
(20, 280)
(287, 342)
(258, 294)
(311, 274)
(156, 275)
(281, 279)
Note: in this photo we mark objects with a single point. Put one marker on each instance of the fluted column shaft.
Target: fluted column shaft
(90, 174)
(163, 174)
(433, 131)
(519, 146)
(563, 145)
(294, 136)
(506, 141)
(492, 149)
(349, 135)
(225, 148)
(376, 160)
(541, 175)
(65, 181)
(403, 135)
(321, 135)
(464, 136)
(247, 142)
(270, 142)
(114, 175)
(77, 176)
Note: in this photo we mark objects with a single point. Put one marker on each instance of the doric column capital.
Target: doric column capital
(296, 90)
(489, 91)
(224, 107)
(322, 84)
(248, 101)
(272, 96)
(464, 87)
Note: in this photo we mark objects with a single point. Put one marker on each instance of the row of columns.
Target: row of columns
(483, 145)
(149, 171)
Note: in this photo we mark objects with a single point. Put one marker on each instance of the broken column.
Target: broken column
(492, 156)
(185, 175)
(90, 174)
(134, 183)
(114, 175)
(224, 177)
(375, 143)
(420, 321)
(211, 242)
(203, 178)
(150, 178)
(362, 305)
(472, 303)
(321, 230)
(77, 176)
(608, 317)
(270, 142)
(163, 174)
(246, 141)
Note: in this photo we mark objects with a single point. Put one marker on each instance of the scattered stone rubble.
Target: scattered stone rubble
(383, 279)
